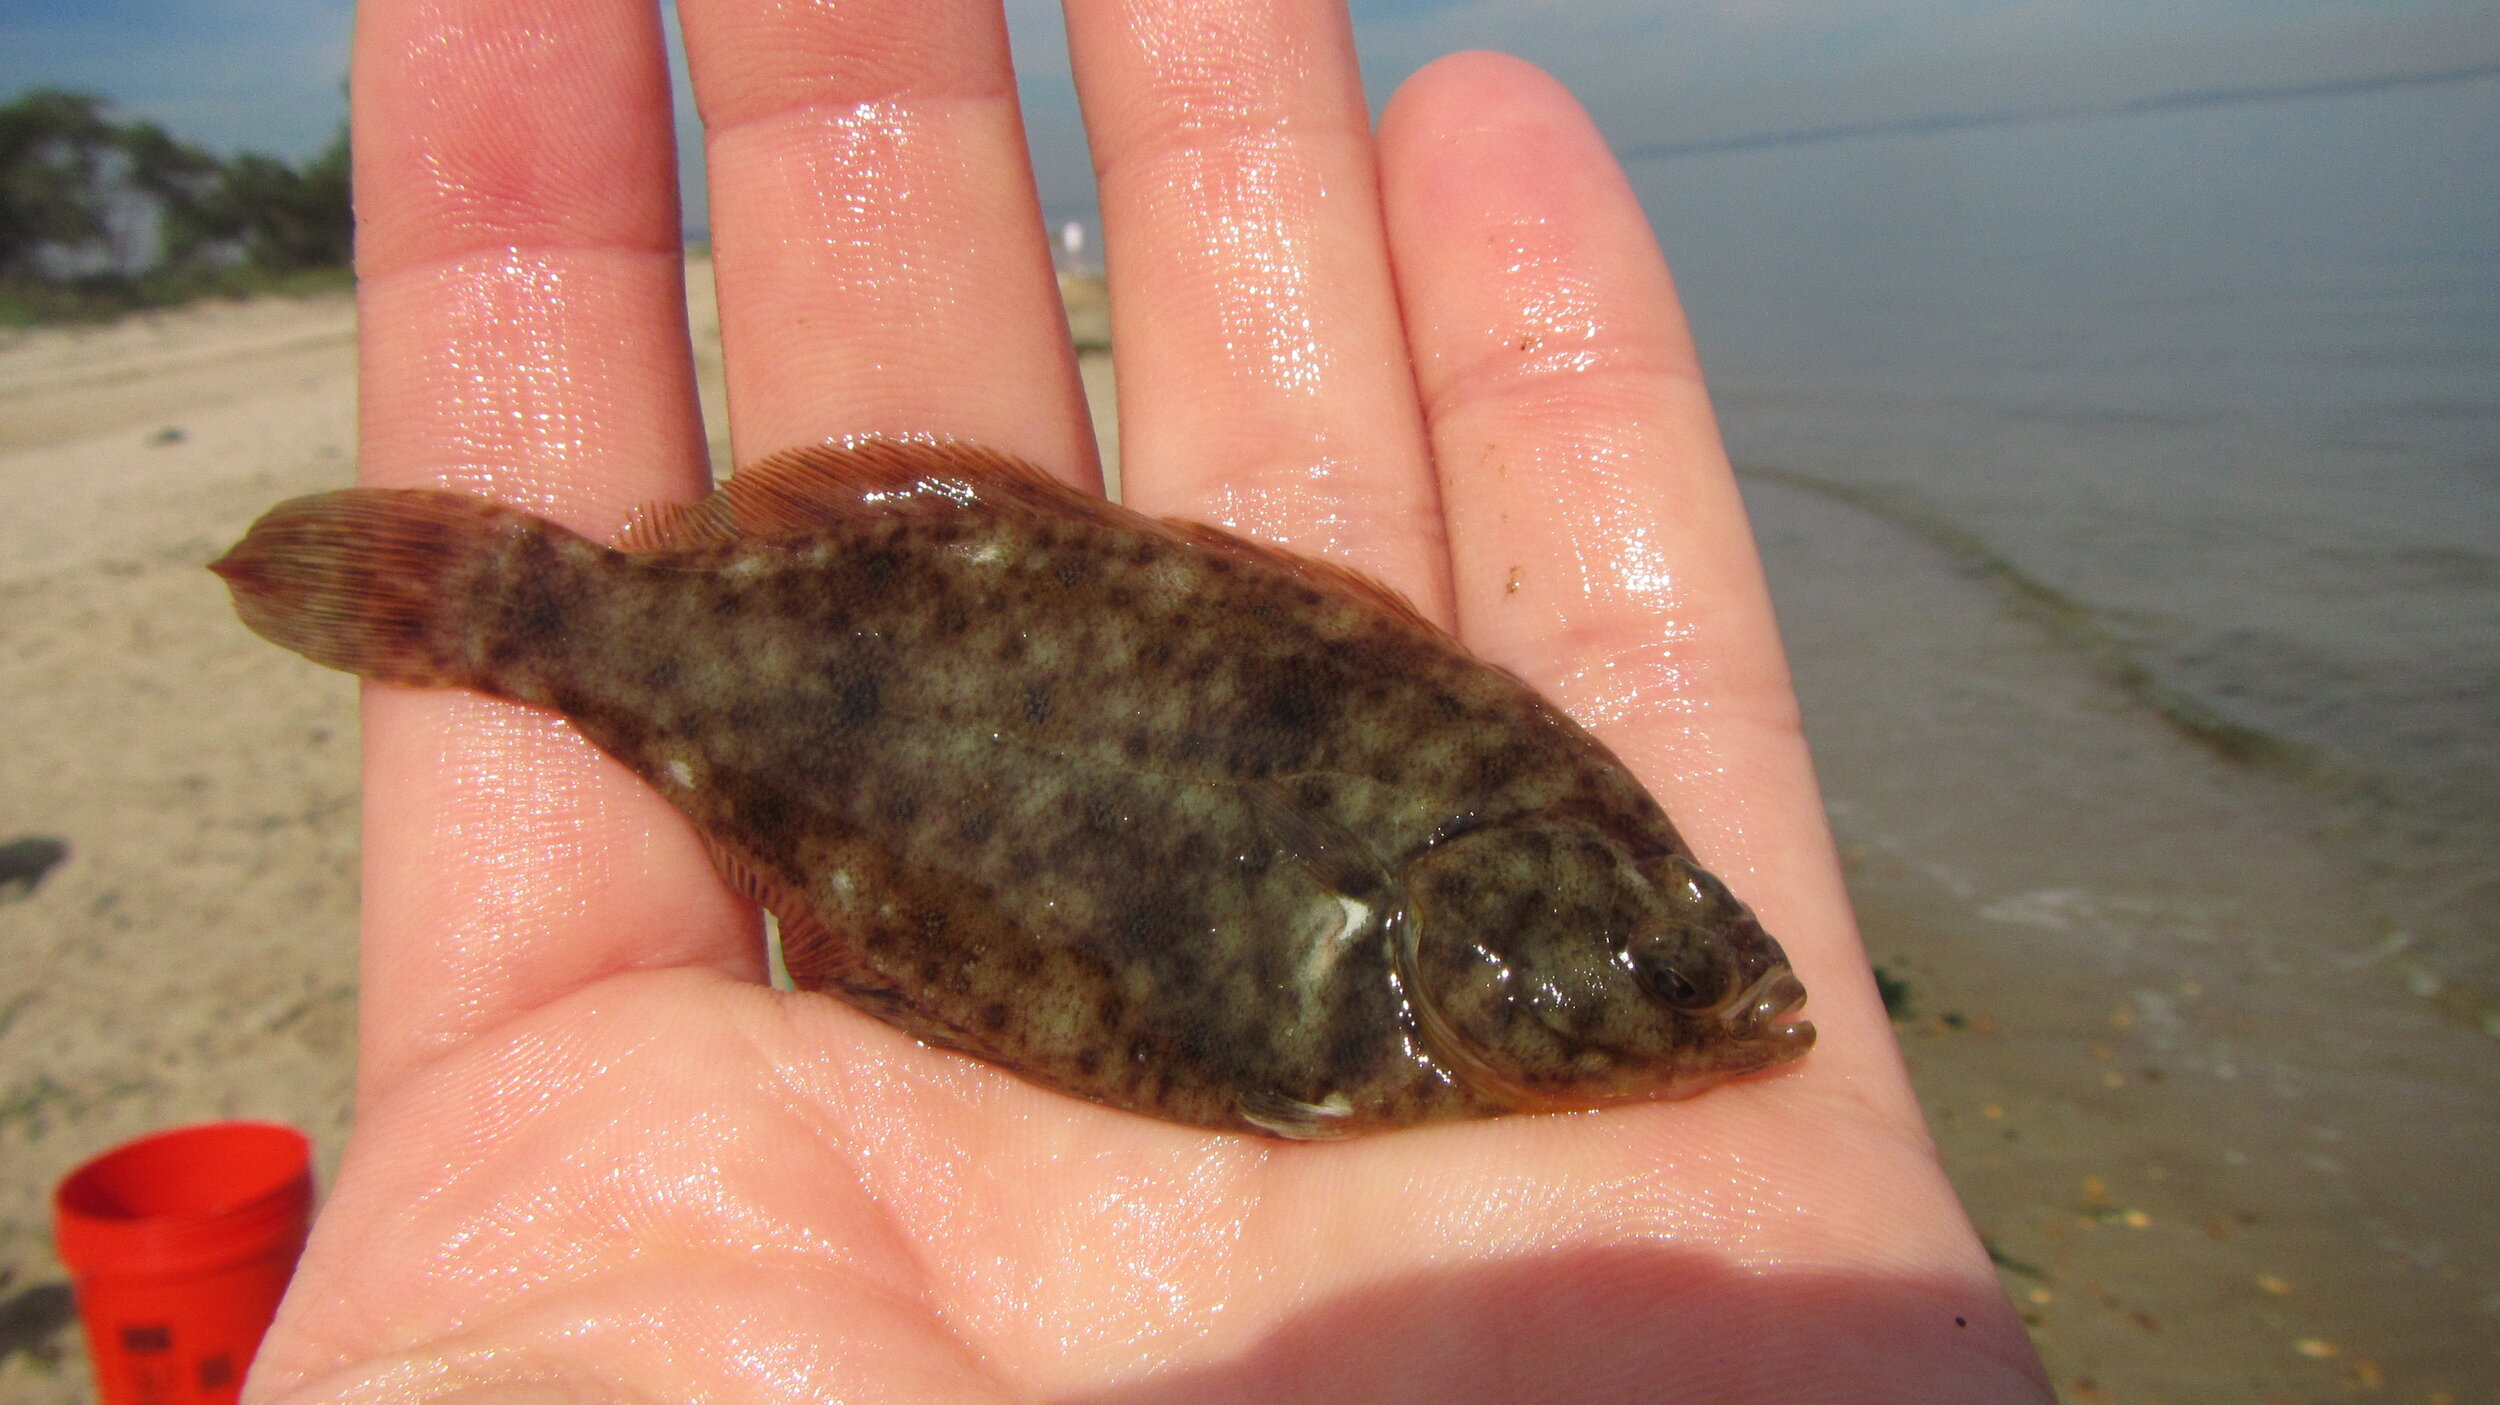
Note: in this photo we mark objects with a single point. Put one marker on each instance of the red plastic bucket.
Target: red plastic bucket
(180, 1245)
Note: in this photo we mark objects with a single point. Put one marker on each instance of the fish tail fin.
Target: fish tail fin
(371, 580)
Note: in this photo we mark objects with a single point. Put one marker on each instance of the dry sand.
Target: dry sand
(2220, 1150)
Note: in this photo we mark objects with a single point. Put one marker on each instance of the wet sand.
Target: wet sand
(2221, 1150)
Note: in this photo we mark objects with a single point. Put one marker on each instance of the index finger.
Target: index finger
(522, 306)
(1600, 549)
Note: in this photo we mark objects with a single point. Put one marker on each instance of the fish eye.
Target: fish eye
(1678, 988)
(1673, 985)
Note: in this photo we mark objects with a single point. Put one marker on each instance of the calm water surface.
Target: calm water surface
(2227, 379)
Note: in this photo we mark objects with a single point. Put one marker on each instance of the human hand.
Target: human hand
(596, 1158)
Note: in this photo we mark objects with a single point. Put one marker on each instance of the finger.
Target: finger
(876, 237)
(1598, 544)
(523, 336)
(1599, 548)
(1263, 376)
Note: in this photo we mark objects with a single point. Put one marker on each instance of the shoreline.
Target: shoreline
(2166, 1067)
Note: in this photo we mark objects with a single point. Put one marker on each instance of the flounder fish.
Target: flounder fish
(1145, 812)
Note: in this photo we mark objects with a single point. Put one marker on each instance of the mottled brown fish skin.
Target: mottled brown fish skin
(1157, 821)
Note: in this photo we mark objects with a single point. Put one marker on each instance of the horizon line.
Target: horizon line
(2011, 117)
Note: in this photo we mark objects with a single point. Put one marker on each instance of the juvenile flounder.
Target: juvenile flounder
(1144, 812)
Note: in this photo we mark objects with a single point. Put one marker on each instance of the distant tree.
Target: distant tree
(182, 182)
(55, 148)
(289, 218)
(96, 213)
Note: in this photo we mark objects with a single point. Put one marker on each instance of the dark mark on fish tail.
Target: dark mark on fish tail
(536, 585)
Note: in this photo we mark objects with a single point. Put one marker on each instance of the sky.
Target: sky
(1662, 76)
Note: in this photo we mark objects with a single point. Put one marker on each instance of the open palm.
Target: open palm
(597, 1158)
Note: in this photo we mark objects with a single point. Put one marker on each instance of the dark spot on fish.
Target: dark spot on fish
(764, 822)
(1070, 571)
(1089, 1062)
(1037, 704)
(1103, 815)
(994, 1016)
(1455, 887)
(898, 807)
(877, 570)
(1347, 1053)
(858, 702)
(1290, 704)
(1182, 968)
(534, 611)
(1492, 767)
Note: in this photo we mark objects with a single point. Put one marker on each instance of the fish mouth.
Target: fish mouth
(1764, 1015)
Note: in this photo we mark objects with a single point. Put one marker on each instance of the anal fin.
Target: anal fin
(813, 956)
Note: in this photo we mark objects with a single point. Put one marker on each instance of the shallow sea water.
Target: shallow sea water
(2218, 388)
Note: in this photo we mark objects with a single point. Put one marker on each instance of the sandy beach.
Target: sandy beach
(2221, 1148)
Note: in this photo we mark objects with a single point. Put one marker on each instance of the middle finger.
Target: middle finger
(876, 238)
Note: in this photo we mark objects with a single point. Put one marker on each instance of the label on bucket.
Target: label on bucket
(158, 1368)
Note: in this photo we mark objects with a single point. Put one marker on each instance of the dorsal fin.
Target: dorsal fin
(1327, 575)
(813, 486)
(679, 526)
(804, 489)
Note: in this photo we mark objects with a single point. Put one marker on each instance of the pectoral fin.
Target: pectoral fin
(1334, 854)
(1296, 1120)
